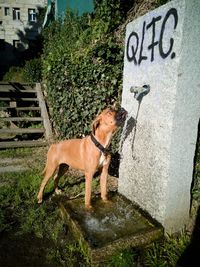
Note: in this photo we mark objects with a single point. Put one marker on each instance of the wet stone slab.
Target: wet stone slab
(110, 227)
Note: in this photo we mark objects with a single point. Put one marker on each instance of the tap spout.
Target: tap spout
(140, 91)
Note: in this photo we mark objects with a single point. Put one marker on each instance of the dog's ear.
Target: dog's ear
(96, 124)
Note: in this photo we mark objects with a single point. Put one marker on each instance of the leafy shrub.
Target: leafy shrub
(15, 74)
(82, 67)
(33, 70)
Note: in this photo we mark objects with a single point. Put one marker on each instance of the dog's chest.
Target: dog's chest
(102, 159)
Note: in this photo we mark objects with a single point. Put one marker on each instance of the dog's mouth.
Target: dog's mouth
(121, 116)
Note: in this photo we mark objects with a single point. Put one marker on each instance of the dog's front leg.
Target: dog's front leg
(103, 178)
(88, 189)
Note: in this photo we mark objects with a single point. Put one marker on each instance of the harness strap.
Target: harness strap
(98, 145)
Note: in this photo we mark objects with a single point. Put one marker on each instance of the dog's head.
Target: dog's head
(109, 119)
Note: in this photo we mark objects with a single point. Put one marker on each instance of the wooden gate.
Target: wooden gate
(24, 120)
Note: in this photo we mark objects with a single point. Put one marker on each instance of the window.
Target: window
(2, 44)
(31, 15)
(16, 13)
(16, 44)
(7, 11)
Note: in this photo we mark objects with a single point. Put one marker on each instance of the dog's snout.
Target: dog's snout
(121, 116)
(122, 112)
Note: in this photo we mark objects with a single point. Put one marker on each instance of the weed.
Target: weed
(125, 258)
(84, 251)
(154, 257)
(167, 253)
(15, 74)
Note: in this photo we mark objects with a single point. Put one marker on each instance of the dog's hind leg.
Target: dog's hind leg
(61, 171)
(49, 172)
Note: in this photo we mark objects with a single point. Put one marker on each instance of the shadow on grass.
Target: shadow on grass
(191, 255)
(23, 250)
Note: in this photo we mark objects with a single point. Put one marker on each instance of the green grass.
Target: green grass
(164, 253)
(21, 216)
(125, 258)
(14, 153)
(168, 252)
(18, 198)
(22, 219)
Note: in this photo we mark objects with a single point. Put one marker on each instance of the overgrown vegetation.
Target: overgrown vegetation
(167, 253)
(14, 74)
(31, 72)
(88, 75)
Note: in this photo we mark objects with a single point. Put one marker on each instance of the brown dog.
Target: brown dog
(87, 154)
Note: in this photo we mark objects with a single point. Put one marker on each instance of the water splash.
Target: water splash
(108, 222)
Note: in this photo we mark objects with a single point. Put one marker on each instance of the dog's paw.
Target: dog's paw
(89, 208)
(58, 191)
(105, 199)
(39, 200)
(107, 202)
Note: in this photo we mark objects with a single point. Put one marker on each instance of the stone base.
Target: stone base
(110, 227)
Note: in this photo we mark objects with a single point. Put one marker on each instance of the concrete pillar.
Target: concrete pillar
(162, 49)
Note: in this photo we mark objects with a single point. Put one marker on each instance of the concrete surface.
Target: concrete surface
(159, 138)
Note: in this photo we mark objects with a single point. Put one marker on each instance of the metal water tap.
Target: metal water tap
(140, 91)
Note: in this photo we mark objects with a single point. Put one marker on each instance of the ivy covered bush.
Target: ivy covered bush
(83, 66)
(32, 70)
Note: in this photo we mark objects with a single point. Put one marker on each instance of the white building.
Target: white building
(19, 26)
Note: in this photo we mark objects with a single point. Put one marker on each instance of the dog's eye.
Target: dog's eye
(110, 113)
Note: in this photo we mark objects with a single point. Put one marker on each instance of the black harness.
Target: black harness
(98, 145)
